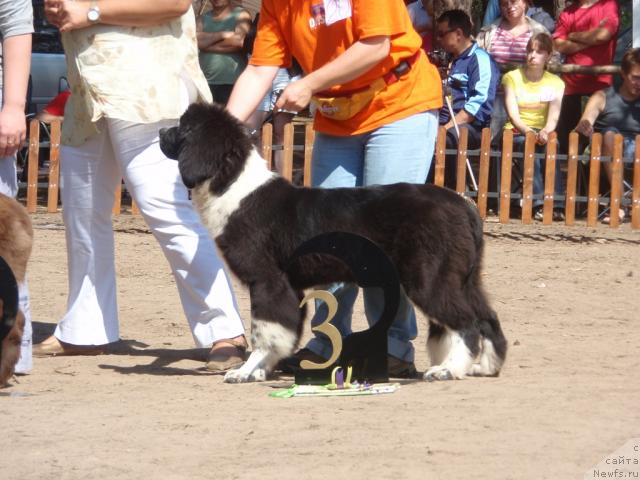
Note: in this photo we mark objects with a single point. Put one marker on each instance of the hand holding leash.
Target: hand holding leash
(295, 97)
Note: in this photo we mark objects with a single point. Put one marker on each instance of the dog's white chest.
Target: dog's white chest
(215, 210)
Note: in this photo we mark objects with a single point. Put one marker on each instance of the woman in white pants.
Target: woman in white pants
(16, 26)
(133, 69)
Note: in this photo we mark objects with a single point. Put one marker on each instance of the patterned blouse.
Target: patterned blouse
(129, 73)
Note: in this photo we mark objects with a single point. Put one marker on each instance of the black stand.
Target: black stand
(8, 300)
(366, 351)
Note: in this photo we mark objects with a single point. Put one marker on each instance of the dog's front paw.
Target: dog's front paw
(240, 376)
(438, 373)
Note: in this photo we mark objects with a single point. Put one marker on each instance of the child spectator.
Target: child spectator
(614, 110)
(586, 35)
(506, 40)
(472, 80)
(533, 97)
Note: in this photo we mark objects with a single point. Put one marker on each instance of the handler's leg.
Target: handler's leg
(89, 177)
(399, 152)
(337, 162)
(155, 185)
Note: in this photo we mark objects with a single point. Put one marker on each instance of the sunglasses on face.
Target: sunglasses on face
(441, 33)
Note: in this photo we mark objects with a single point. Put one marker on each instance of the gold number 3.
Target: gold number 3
(326, 328)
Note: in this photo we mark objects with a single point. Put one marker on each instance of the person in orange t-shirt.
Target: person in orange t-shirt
(376, 97)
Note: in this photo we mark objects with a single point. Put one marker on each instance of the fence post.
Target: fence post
(483, 180)
(550, 177)
(441, 144)
(635, 195)
(32, 165)
(505, 175)
(615, 194)
(309, 137)
(461, 166)
(54, 167)
(594, 180)
(267, 143)
(527, 177)
(287, 152)
(572, 179)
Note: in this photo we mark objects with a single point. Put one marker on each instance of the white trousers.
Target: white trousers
(9, 187)
(89, 177)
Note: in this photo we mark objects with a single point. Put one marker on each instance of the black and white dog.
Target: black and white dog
(433, 236)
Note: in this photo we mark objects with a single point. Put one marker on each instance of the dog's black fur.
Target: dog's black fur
(433, 236)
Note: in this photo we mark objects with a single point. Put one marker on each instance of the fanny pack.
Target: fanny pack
(344, 105)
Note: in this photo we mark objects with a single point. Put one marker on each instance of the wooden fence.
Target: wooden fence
(577, 166)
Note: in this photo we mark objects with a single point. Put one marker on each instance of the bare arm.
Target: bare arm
(72, 14)
(250, 88)
(596, 36)
(16, 51)
(594, 107)
(568, 47)
(511, 105)
(228, 42)
(552, 119)
(353, 62)
(461, 117)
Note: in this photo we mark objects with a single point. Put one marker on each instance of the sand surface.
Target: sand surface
(568, 299)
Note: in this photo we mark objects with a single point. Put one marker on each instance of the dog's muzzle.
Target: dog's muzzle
(169, 142)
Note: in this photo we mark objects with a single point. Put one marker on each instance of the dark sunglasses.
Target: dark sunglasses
(446, 32)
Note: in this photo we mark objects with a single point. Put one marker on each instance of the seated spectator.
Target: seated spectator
(54, 110)
(421, 14)
(586, 35)
(472, 80)
(615, 110)
(533, 97)
(538, 14)
(506, 40)
(220, 34)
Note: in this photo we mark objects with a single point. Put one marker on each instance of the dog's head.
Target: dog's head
(209, 144)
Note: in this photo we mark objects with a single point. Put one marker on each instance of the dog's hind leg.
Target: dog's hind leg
(493, 344)
(276, 323)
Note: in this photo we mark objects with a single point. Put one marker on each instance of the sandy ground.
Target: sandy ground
(568, 300)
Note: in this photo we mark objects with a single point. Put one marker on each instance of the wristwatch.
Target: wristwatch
(93, 14)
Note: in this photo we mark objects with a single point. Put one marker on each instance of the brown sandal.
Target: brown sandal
(226, 354)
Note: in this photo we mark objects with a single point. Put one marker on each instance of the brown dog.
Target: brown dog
(16, 239)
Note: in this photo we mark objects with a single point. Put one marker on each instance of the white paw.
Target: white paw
(241, 376)
(438, 373)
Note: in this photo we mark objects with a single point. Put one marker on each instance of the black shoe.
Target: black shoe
(397, 368)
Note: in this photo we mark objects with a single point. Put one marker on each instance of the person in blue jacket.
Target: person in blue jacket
(470, 86)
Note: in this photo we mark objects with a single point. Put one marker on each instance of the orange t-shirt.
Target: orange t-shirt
(315, 32)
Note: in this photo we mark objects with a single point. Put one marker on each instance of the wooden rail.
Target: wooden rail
(482, 160)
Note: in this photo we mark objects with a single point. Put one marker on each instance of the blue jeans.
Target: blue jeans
(538, 177)
(398, 152)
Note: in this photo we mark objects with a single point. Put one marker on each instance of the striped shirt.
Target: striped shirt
(505, 48)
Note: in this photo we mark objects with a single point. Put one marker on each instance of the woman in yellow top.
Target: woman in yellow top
(533, 98)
